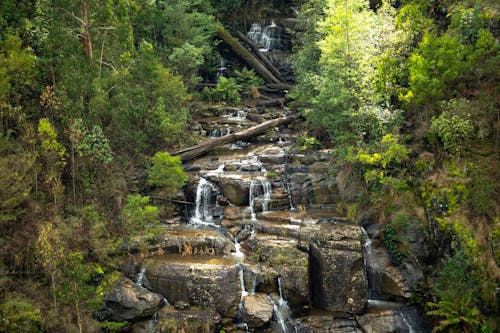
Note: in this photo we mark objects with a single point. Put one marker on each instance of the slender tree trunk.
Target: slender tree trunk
(88, 32)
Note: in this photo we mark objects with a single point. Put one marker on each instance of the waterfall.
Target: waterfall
(259, 189)
(221, 70)
(140, 277)
(241, 310)
(374, 271)
(206, 201)
(281, 310)
(267, 36)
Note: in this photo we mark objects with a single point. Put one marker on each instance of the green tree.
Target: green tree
(19, 315)
(138, 216)
(166, 172)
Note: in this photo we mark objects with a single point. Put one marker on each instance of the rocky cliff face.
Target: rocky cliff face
(263, 247)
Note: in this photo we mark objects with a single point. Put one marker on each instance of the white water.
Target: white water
(259, 189)
(203, 204)
(140, 277)
(241, 115)
(281, 310)
(239, 257)
(267, 37)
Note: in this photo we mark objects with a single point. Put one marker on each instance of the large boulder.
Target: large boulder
(339, 280)
(290, 269)
(234, 187)
(129, 302)
(319, 323)
(208, 282)
(177, 238)
(170, 320)
(258, 310)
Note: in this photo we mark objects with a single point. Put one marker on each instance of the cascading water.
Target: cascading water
(140, 277)
(267, 36)
(241, 311)
(259, 189)
(281, 310)
(206, 201)
(221, 71)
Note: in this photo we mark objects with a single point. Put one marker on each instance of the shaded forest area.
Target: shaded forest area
(94, 93)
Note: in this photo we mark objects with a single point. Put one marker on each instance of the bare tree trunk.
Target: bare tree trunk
(259, 55)
(88, 33)
(203, 148)
(248, 57)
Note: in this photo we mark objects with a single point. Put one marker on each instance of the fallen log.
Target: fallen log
(259, 55)
(203, 148)
(248, 57)
(280, 86)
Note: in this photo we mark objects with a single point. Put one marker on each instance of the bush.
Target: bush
(166, 171)
(18, 315)
(453, 130)
(226, 90)
(391, 242)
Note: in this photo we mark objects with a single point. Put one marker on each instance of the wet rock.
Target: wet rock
(235, 188)
(207, 282)
(170, 320)
(393, 321)
(177, 238)
(258, 310)
(129, 302)
(386, 280)
(292, 265)
(339, 281)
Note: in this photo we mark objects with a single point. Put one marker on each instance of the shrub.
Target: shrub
(166, 171)
(226, 90)
(18, 315)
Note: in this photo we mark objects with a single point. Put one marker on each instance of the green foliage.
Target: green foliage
(186, 60)
(91, 143)
(18, 315)
(458, 288)
(433, 67)
(453, 131)
(226, 90)
(17, 170)
(17, 70)
(166, 172)
(138, 216)
(378, 166)
(248, 79)
(112, 326)
(391, 242)
(48, 140)
(482, 194)
(308, 142)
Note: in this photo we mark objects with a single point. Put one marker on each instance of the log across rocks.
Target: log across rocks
(202, 148)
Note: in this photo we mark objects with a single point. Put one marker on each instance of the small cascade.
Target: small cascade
(281, 310)
(217, 133)
(241, 311)
(140, 277)
(267, 37)
(288, 181)
(374, 271)
(206, 202)
(240, 115)
(221, 71)
(259, 189)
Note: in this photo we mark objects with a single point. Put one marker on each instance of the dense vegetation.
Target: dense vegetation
(93, 93)
(408, 94)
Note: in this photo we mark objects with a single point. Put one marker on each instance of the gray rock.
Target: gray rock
(339, 281)
(258, 310)
(182, 305)
(129, 302)
(393, 321)
(206, 282)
